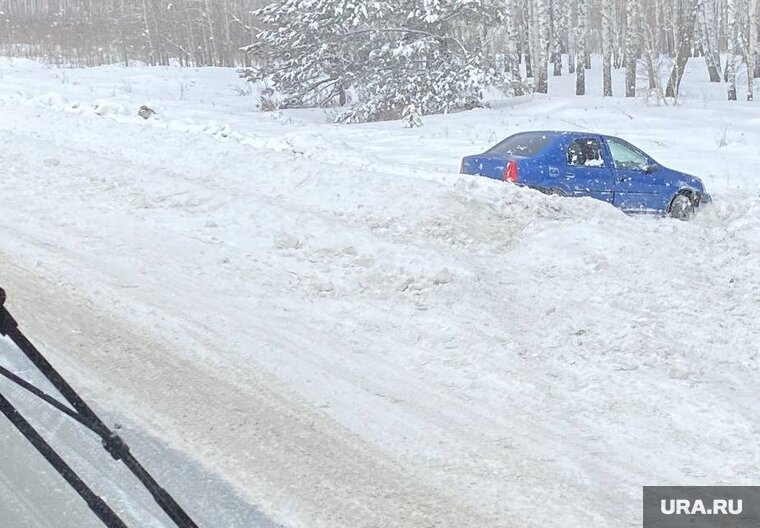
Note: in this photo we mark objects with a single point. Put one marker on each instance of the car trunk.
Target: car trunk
(484, 165)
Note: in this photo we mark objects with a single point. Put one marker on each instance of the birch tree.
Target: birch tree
(535, 33)
(527, 36)
(607, 30)
(544, 30)
(708, 32)
(752, 50)
(558, 27)
(580, 50)
(631, 46)
(512, 51)
(684, 37)
(731, 44)
(572, 36)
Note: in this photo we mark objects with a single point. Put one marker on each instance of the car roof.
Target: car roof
(565, 133)
(561, 132)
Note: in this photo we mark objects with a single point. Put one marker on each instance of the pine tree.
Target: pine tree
(387, 55)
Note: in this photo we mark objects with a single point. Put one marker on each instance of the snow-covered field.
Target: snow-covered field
(350, 333)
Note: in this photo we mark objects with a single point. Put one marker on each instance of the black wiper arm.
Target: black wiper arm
(82, 413)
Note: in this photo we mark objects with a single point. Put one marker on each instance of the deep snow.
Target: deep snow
(352, 334)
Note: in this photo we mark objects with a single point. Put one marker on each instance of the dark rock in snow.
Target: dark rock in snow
(146, 112)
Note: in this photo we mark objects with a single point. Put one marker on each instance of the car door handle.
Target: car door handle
(623, 179)
(569, 175)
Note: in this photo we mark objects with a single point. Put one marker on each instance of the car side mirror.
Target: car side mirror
(650, 168)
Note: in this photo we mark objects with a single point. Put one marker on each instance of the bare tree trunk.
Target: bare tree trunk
(557, 30)
(752, 50)
(544, 29)
(527, 43)
(617, 52)
(228, 59)
(731, 37)
(651, 56)
(148, 33)
(213, 54)
(684, 35)
(708, 32)
(572, 36)
(659, 45)
(607, 28)
(513, 56)
(580, 54)
(632, 34)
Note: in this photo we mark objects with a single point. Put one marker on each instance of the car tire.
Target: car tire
(681, 207)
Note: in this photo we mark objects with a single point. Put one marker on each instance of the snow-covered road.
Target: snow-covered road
(355, 336)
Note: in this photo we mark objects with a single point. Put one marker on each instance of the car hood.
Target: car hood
(687, 180)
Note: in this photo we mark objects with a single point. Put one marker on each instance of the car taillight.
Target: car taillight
(510, 172)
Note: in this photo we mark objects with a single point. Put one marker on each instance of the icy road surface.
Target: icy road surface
(351, 334)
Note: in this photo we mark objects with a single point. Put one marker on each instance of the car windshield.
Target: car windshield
(526, 144)
(625, 155)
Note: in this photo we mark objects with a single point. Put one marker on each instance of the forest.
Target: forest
(398, 58)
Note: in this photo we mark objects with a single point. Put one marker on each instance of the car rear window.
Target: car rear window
(526, 144)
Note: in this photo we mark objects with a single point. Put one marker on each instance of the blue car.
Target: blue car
(581, 164)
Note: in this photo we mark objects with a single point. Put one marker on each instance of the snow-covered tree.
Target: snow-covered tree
(381, 57)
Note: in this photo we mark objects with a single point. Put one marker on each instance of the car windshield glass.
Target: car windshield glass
(528, 144)
(626, 156)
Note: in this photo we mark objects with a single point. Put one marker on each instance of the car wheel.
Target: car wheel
(682, 207)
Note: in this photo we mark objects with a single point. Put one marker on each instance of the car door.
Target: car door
(586, 172)
(637, 186)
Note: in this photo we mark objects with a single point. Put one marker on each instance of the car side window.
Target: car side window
(625, 156)
(585, 152)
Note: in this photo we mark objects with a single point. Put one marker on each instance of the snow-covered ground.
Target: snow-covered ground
(350, 333)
